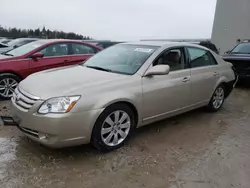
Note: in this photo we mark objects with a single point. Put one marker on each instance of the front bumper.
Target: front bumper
(56, 130)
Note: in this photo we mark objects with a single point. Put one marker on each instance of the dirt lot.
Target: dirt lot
(194, 150)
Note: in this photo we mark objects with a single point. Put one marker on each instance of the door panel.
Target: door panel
(203, 81)
(48, 63)
(55, 55)
(165, 93)
(204, 74)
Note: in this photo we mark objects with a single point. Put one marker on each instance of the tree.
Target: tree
(43, 33)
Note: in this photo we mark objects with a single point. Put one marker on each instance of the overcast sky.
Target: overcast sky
(114, 19)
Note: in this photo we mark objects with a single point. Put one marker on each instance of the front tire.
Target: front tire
(8, 83)
(217, 99)
(113, 127)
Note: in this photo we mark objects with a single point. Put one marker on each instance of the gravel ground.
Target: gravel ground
(193, 150)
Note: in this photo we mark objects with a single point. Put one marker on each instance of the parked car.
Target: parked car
(2, 45)
(5, 41)
(40, 55)
(16, 43)
(120, 88)
(239, 56)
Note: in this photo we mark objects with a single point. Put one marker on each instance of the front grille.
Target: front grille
(23, 100)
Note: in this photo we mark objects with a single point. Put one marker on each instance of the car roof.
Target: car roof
(27, 39)
(62, 40)
(51, 41)
(163, 44)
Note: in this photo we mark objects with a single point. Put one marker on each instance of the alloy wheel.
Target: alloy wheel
(115, 128)
(7, 87)
(218, 97)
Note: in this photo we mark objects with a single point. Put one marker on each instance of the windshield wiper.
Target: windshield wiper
(99, 68)
(7, 54)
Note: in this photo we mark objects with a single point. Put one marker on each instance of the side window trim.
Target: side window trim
(187, 57)
(213, 58)
(70, 48)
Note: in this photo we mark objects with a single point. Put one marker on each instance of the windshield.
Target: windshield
(123, 59)
(14, 42)
(242, 48)
(25, 48)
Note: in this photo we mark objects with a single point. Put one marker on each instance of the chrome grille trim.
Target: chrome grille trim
(23, 100)
(32, 97)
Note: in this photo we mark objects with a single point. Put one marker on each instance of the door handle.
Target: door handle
(185, 79)
(216, 74)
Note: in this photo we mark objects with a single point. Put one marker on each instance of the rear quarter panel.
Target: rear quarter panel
(225, 70)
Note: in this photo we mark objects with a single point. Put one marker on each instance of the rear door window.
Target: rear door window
(200, 58)
(82, 49)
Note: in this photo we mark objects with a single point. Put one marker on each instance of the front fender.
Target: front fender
(132, 99)
(103, 100)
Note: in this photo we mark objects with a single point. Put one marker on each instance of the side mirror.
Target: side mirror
(158, 70)
(37, 55)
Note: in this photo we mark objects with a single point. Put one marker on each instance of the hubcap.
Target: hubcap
(218, 97)
(7, 87)
(115, 128)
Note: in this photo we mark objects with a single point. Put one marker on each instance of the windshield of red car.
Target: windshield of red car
(22, 50)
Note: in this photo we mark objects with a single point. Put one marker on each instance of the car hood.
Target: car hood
(73, 80)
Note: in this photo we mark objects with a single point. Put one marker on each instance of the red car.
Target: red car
(40, 55)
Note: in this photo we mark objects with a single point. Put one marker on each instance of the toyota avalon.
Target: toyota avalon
(126, 86)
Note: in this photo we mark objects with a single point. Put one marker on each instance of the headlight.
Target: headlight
(58, 105)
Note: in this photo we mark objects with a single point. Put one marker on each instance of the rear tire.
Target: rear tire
(217, 99)
(8, 83)
(113, 127)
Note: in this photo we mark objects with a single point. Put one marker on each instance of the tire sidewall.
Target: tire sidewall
(96, 139)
